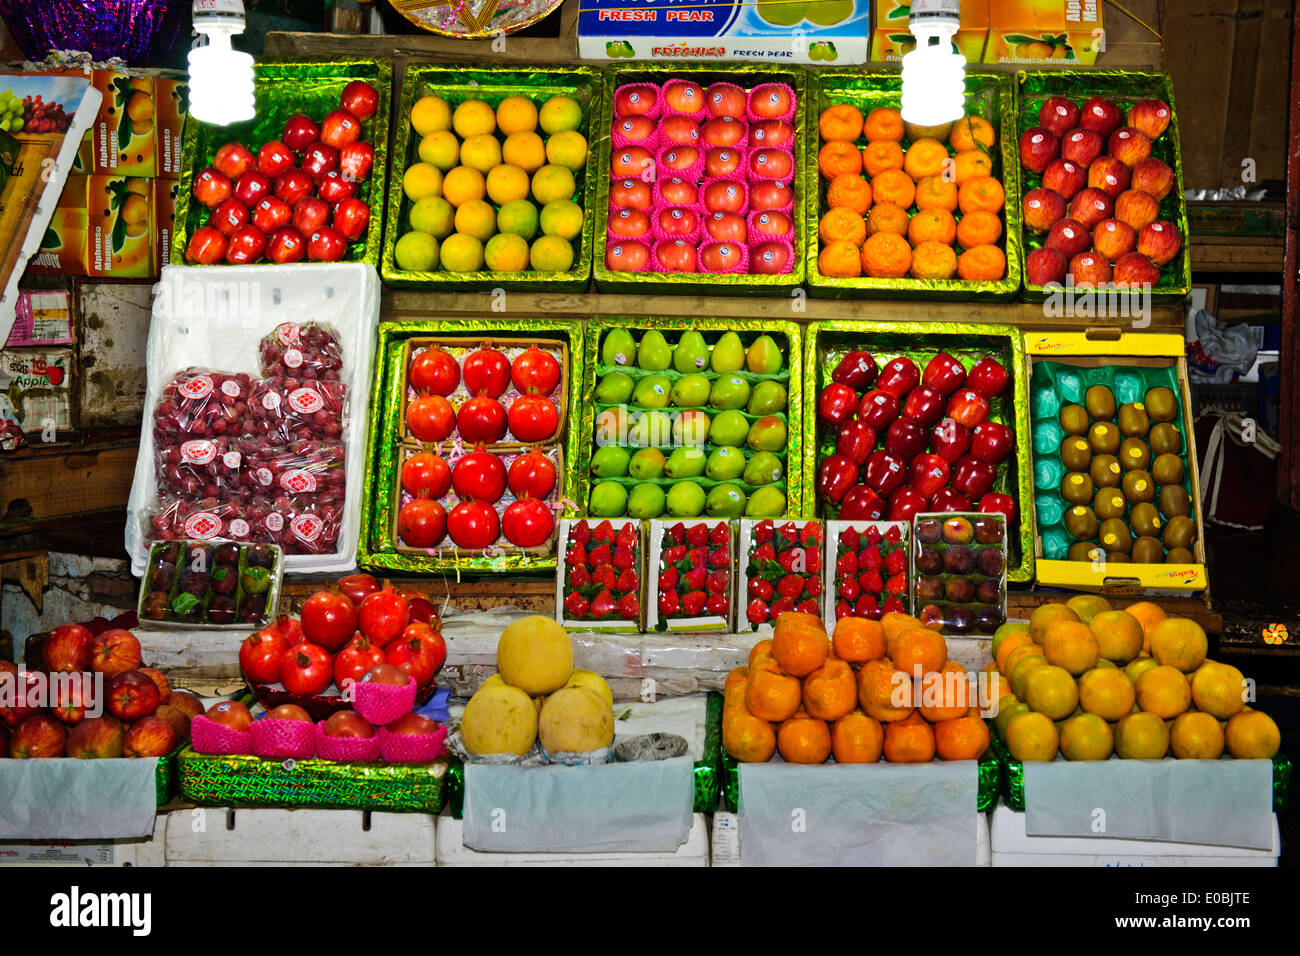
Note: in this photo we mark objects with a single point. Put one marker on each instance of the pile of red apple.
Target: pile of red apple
(702, 178)
(44, 715)
(455, 485)
(296, 197)
(908, 440)
(1097, 204)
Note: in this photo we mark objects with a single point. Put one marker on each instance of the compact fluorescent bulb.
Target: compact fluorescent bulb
(221, 77)
(934, 74)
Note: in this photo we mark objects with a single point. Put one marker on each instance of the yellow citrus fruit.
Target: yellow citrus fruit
(1252, 735)
(1021, 670)
(551, 254)
(476, 218)
(1008, 709)
(568, 148)
(1087, 737)
(1087, 606)
(1163, 691)
(1106, 692)
(1218, 689)
(422, 180)
(562, 218)
(463, 184)
(433, 215)
(461, 253)
(473, 118)
(1141, 736)
(1052, 691)
(559, 113)
(551, 183)
(1008, 644)
(525, 150)
(440, 148)
(1071, 645)
(505, 252)
(1032, 737)
(430, 113)
(481, 152)
(517, 217)
(1014, 655)
(516, 114)
(1005, 631)
(1148, 615)
(416, 252)
(1196, 736)
(1119, 635)
(1135, 668)
(1045, 615)
(505, 183)
(1180, 643)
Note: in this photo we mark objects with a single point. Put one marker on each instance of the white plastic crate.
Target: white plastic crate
(215, 318)
(725, 843)
(453, 852)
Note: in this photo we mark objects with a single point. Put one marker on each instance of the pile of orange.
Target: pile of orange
(1086, 680)
(876, 688)
(928, 211)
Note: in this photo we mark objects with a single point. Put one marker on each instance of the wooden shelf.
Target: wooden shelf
(1237, 253)
(64, 480)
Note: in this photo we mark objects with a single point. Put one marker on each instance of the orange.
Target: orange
(747, 738)
(1044, 616)
(1019, 653)
(935, 192)
(885, 692)
(772, 695)
(886, 255)
(982, 193)
(849, 191)
(982, 264)
(971, 132)
(843, 121)
(925, 157)
(1217, 689)
(1141, 736)
(932, 225)
(1196, 736)
(917, 651)
(978, 229)
(857, 738)
(842, 225)
(971, 163)
(1252, 735)
(840, 259)
(837, 158)
(1163, 691)
(883, 123)
(909, 741)
(803, 739)
(1119, 635)
(858, 640)
(760, 651)
(887, 217)
(1179, 642)
(882, 155)
(799, 643)
(945, 694)
(1019, 672)
(895, 186)
(962, 738)
(1072, 645)
(895, 623)
(1052, 691)
(1032, 736)
(933, 260)
(733, 697)
(1106, 692)
(737, 675)
(1148, 615)
(1009, 644)
(831, 691)
(1087, 737)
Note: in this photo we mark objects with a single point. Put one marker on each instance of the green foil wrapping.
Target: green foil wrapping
(706, 774)
(245, 780)
(284, 88)
(492, 84)
(380, 496)
(1124, 88)
(989, 94)
(648, 282)
(828, 341)
(747, 329)
(165, 777)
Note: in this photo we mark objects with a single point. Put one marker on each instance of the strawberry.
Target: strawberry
(720, 535)
(789, 533)
(873, 535)
(602, 605)
(629, 608)
(813, 585)
(698, 557)
(580, 533)
(626, 537)
(575, 556)
(677, 533)
(849, 539)
(791, 561)
(812, 534)
(763, 532)
(756, 611)
(849, 589)
(842, 609)
(720, 558)
(870, 559)
(893, 603)
(897, 584)
(668, 580)
(896, 561)
(694, 579)
(579, 577)
(717, 604)
(764, 552)
(599, 555)
(866, 605)
(697, 534)
(604, 576)
(812, 559)
(808, 607)
(871, 582)
(781, 607)
(603, 532)
(693, 603)
(847, 565)
(669, 603)
(674, 554)
(790, 586)
(717, 582)
(894, 535)
(576, 606)
(623, 558)
(759, 588)
(627, 581)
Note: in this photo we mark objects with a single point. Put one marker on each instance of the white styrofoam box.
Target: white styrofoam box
(1013, 847)
(205, 836)
(725, 844)
(453, 852)
(215, 318)
(145, 851)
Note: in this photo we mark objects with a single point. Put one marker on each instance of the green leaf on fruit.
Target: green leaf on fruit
(184, 603)
(219, 574)
(119, 234)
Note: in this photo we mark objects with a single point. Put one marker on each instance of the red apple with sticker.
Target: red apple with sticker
(212, 187)
(771, 194)
(339, 127)
(1151, 117)
(949, 439)
(1159, 242)
(723, 196)
(326, 245)
(245, 246)
(1089, 207)
(968, 407)
(878, 409)
(898, 377)
(251, 187)
(1058, 115)
(274, 158)
(1134, 270)
(352, 219)
(632, 161)
(1064, 177)
(862, 503)
(1081, 146)
(944, 373)
(991, 442)
(1137, 208)
(857, 370)
(1114, 239)
(286, 245)
(635, 101)
(1109, 175)
(1042, 207)
(271, 213)
(1045, 266)
(1153, 177)
(927, 473)
(1130, 146)
(1090, 269)
(1038, 147)
(333, 188)
(1101, 116)
(319, 159)
(883, 472)
(1068, 237)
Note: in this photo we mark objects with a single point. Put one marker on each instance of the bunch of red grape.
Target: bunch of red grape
(42, 117)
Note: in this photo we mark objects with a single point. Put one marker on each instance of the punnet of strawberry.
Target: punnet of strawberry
(783, 570)
(694, 573)
(602, 580)
(870, 570)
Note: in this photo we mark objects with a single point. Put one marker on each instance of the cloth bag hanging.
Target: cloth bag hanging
(1238, 477)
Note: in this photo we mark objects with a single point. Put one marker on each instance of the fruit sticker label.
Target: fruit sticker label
(271, 401)
(287, 333)
(306, 401)
(297, 480)
(231, 459)
(239, 528)
(198, 387)
(199, 452)
(275, 522)
(230, 387)
(306, 528)
(292, 358)
(264, 478)
(202, 526)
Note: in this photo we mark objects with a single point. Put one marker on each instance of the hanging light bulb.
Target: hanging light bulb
(221, 77)
(934, 73)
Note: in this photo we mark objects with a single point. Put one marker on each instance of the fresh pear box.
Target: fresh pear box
(867, 569)
(785, 31)
(891, 39)
(690, 565)
(690, 417)
(779, 569)
(600, 578)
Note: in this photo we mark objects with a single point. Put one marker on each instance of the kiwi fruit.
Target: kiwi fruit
(1082, 550)
(1161, 404)
(1076, 453)
(1100, 403)
(1081, 523)
(1074, 420)
(1148, 550)
(1109, 503)
(1105, 471)
(1115, 536)
(1167, 470)
(1076, 488)
(1117, 557)
(1133, 420)
(1180, 556)
(1104, 438)
(1134, 455)
(1179, 532)
(1145, 520)
(1138, 486)
(1164, 439)
(1174, 501)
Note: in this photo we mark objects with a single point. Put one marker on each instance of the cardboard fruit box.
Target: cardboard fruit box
(690, 575)
(779, 569)
(600, 579)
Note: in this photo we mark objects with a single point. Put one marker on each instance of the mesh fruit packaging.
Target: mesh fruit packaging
(691, 566)
(309, 351)
(780, 569)
(866, 569)
(961, 564)
(600, 576)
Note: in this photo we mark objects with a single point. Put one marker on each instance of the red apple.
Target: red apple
(246, 245)
(878, 409)
(227, 217)
(1159, 242)
(1038, 147)
(883, 472)
(150, 737)
(206, 247)
(114, 652)
(678, 130)
(949, 500)
(904, 504)
(1150, 116)
(997, 503)
(310, 214)
(626, 256)
(160, 681)
(67, 649)
(968, 407)
(1044, 266)
(319, 159)
(835, 476)
(352, 219)
(988, 377)
(1058, 114)
(97, 738)
(1041, 208)
(131, 695)
(949, 439)
(723, 195)
(360, 99)
(233, 160)
(944, 374)
(770, 194)
(1101, 116)
(629, 224)
(927, 473)
(905, 439)
(857, 370)
(1068, 237)
(898, 377)
(1153, 177)
(274, 158)
(1089, 207)
(1081, 146)
(856, 440)
(862, 504)
(413, 725)
(339, 127)
(991, 442)
(1136, 208)
(721, 161)
(632, 161)
(1109, 175)
(333, 187)
(271, 213)
(1113, 238)
(355, 161)
(836, 403)
(1135, 270)
(289, 712)
(973, 477)
(186, 703)
(1090, 269)
(326, 245)
(635, 101)
(38, 737)
(211, 187)
(286, 245)
(299, 132)
(251, 187)
(1064, 177)
(230, 713)
(346, 723)
(924, 404)
(176, 719)
(386, 674)
(1129, 146)
(723, 131)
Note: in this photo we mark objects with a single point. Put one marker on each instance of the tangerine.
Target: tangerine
(858, 640)
(799, 643)
(883, 123)
(909, 741)
(932, 225)
(1196, 736)
(1163, 691)
(917, 651)
(971, 132)
(1252, 735)
(838, 158)
(895, 186)
(925, 157)
(1179, 642)
(1217, 689)
(747, 738)
(803, 739)
(843, 121)
(971, 163)
(933, 260)
(979, 229)
(840, 259)
(882, 155)
(1148, 615)
(886, 255)
(887, 217)
(980, 194)
(842, 225)
(771, 695)
(849, 191)
(1032, 736)
(935, 192)
(1141, 736)
(885, 693)
(961, 738)
(1106, 692)
(857, 738)
(982, 264)
(945, 694)
(1087, 737)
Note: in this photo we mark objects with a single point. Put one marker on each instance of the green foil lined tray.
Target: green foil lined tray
(965, 341)
(1124, 88)
(375, 547)
(165, 775)
(989, 94)
(648, 282)
(245, 780)
(282, 89)
(706, 774)
(492, 84)
(748, 330)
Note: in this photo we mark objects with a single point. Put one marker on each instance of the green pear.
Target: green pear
(652, 391)
(691, 391)
(611, 426)
(611, 461)
(608, 499)
(827, 13)
(619, 348)
(767, 434)
(615, 388)
(764, 356)
(725, 464)
(691, 427)
(728, 354)
(646, 464)
(654, 354)
(685, 499)
(766, 502)
(729, 391)
(726, 501)
(767, 398)
(729, 428)
(685, 463)
(692, 353)
(781, 13)
(653, 429)
(646, 501)
(763, 469)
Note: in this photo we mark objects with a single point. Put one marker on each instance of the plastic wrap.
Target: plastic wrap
(960, 562)
(598, 582)
(779, 569)
(312, 350)
(200, 403)
(868, 569)
(210, 584)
